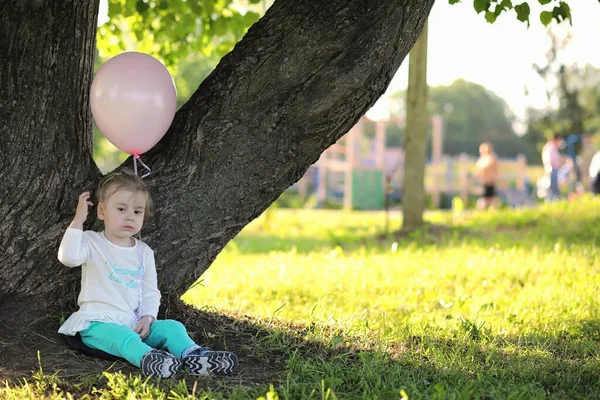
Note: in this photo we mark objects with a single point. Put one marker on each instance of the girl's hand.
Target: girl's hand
(82, 208)
(143, 326)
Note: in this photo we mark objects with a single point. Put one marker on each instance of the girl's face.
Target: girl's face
(123, 215)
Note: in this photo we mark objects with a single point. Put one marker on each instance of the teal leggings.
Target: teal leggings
(121, 341)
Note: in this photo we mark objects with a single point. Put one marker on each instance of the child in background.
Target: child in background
(487, 170)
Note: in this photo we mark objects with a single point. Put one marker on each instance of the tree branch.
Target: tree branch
(299, 80)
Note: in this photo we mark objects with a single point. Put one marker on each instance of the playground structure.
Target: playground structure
(354, 169)
(357, 171)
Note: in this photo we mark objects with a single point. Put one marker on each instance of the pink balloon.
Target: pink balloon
(133, 100)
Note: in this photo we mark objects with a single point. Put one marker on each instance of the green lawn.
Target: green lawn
(503, 305)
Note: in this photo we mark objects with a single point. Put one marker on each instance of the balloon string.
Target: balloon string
(136, 158)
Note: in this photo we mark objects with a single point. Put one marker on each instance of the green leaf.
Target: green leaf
(490, 17)
(180, 31)
(114, 9)
(250, 18)
(196, 7)
(566, 10)
(546, 17)
(139, 35)
(523, 12)
(458, 1)
(498, 10)
(543, 2)
(508, 4)
(481, 5)
(561, 12)
(209, 6)
(219, 26)
(142, 7)
(336, 341)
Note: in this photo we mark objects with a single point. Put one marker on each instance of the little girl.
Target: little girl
(119, 298)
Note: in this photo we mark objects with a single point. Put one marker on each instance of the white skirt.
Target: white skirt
(80, 320)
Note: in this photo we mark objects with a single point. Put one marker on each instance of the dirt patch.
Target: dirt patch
(25, 333)
(263, 347)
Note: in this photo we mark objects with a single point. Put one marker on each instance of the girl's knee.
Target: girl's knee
(168, 324)
(129, 337)
(110, 338)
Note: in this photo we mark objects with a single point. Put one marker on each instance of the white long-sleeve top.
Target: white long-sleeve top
(550, 157)
(111, 279)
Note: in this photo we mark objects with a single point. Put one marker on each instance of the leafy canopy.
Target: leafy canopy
(172, 29)
(552, 10)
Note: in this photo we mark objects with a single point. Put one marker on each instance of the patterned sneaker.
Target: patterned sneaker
(204, 361)
(158, 363)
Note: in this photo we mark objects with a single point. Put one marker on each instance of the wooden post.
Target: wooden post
(521, 172)
(351, 139)
(463, 170)
(401, 170)
(437, 142)
(303, 186)
(380, 144)
(380, 161)
(415, 139)
(322, 176)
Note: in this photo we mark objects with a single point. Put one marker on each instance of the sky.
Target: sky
(499, 56)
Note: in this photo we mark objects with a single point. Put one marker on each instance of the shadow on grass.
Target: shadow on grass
(540, 228)
(542, 236)
(305, 361)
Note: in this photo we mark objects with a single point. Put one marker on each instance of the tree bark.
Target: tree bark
(300, 79)
(46, 66)
(415, 142)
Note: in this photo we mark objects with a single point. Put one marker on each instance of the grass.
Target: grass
(504, 305)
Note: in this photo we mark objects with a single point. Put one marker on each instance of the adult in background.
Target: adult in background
(552, 161)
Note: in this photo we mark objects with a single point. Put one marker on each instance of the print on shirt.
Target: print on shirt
(123, 275)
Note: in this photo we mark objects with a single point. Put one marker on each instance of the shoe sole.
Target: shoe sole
(161, 366)
(216, 363)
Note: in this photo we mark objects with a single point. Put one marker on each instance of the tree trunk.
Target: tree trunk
(415, 142)
(46, 66)
(300, 79)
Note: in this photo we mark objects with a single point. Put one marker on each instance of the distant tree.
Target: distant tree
(573, 93)
(552, 10)
(472, 114)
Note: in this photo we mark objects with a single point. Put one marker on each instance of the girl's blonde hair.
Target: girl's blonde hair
(124, 179)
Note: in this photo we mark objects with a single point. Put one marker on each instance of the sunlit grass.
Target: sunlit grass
(516, 281)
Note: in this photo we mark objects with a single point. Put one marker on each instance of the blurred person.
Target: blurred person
(486, 169)
(552, 161)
